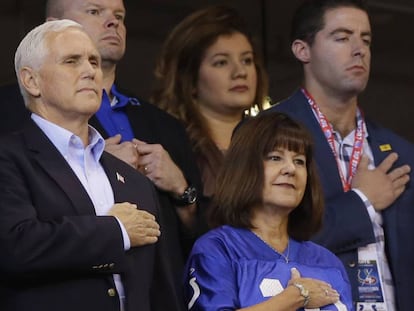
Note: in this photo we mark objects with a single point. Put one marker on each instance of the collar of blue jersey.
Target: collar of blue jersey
(121, 99)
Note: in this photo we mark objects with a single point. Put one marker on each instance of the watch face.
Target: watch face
(191, 195)
(188, 197)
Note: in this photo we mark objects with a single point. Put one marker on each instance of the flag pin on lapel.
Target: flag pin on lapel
(120, 178)
(385, 147)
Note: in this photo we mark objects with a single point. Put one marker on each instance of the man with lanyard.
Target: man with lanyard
(139, 133)
(364, 168)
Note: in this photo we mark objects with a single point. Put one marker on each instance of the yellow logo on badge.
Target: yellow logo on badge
(386, 147)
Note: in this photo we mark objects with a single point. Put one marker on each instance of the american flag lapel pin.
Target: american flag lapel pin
(120, 178)
(385, 147)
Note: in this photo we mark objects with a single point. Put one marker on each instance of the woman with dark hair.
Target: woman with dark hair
(208, 75)
(268, 205)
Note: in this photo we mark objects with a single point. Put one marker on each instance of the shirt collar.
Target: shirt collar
(349, 139)
(120, 100)
(63, 139)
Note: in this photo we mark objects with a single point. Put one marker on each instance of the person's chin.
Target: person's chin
(112, 53)
(91, 102)
(358, 87)
(243, 103)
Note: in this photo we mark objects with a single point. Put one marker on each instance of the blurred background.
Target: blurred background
(389, 98)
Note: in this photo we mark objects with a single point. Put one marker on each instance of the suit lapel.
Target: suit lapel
(381, 148)
(118, 178)
(53, 163)
(324, 156)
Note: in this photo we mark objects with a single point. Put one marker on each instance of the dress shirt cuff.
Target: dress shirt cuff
(127, 242)
(370, 208)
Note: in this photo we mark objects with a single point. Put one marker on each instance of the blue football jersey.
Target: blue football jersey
(231, 268)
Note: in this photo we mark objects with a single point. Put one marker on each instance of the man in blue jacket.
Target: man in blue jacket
(365, 169)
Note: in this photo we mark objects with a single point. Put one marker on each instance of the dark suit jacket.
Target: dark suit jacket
(56, 254)
(347, 225)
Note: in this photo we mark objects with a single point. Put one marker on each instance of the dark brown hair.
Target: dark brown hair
(239, 186)
(308, 19)
(178, 67)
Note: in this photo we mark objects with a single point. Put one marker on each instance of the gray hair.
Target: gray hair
(32, 49)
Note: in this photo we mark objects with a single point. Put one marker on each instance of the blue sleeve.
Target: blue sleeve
(210, 282)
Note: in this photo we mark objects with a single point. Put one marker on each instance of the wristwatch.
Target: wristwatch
(303, 292)
(188, 197)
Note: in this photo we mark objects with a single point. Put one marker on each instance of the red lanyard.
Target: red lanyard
(329, 134)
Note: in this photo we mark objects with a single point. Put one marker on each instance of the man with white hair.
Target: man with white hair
(79, 227)
(140, 133)
(137, 132)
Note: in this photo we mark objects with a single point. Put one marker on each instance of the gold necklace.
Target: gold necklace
(285, 257)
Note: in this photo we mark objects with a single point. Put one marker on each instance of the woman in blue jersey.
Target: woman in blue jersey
(269, 204)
